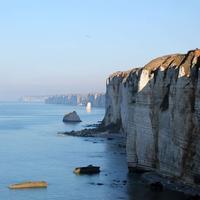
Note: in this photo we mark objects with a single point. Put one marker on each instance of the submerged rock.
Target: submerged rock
(71, 117)
(29, 184)
(100, 184)
(90, 169)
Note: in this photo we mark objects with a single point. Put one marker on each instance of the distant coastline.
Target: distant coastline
(33, 99)
(96, 99)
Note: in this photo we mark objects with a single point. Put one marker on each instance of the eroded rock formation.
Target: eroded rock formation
(158, 107)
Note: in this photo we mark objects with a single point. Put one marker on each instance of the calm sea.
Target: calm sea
(30, 149)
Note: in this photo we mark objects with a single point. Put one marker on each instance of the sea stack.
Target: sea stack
(158, 108)
(71, 117)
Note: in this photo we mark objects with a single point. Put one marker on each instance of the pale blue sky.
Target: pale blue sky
(64, 46)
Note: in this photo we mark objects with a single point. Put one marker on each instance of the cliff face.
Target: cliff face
(158, 107)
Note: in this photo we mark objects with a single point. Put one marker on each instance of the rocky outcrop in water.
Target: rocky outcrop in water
(71, 117)
(158, 107)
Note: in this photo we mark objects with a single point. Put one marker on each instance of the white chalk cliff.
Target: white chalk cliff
(158, 108)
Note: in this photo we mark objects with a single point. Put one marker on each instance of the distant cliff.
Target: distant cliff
(33, 99)
(97, 99)
(158, 108)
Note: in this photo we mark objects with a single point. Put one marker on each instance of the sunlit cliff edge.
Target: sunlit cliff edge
(158, 108)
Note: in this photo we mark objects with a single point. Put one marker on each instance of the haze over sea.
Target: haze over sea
(30, 149)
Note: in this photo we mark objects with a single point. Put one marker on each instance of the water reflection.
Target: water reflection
(130, 185)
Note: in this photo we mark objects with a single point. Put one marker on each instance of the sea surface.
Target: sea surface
(31, 149)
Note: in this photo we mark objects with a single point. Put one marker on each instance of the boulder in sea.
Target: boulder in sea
(71, 117)
(90, 169)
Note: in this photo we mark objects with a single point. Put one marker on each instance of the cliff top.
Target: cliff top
(175, 60)
(122, 74)
(185, 61)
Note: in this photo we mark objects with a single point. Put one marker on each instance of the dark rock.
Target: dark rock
(117, 181)
(91, 125)
(122, 146)
(90, 169)
(156, 187)
(195, 197)
(83, 133)
(91, 132)
(197, 179)
(137, 170)
(71, 117)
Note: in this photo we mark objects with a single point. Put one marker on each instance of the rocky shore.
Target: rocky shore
(93, 132)
(171, 184)
(148, 178)
(98, 130)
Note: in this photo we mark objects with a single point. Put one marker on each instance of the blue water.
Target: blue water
(31, 149)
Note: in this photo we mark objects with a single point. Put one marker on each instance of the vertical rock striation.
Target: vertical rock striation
(158, 108)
